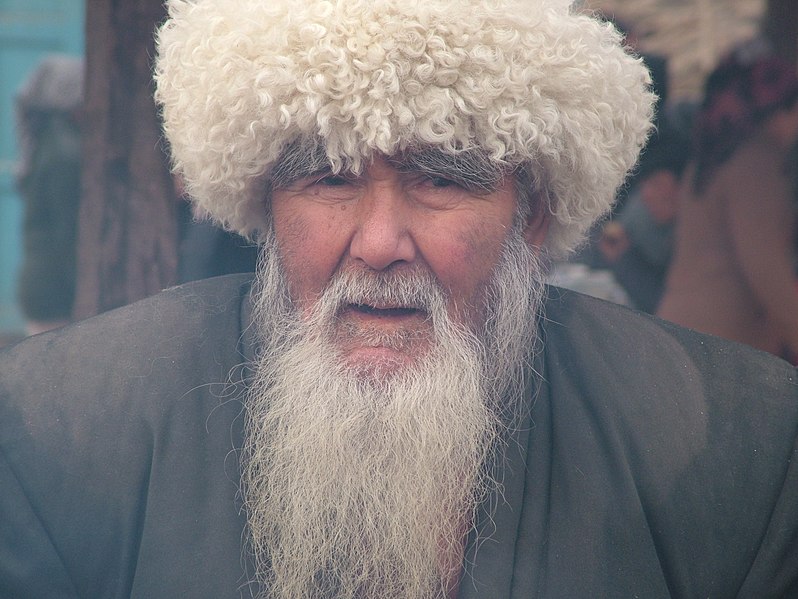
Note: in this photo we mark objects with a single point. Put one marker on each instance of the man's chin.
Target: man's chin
(381, 363)
(380, 348)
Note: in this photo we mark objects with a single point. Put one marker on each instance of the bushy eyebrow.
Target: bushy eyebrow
(471, 169)
(301, 158)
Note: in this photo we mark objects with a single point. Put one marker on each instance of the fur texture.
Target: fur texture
(527, 81)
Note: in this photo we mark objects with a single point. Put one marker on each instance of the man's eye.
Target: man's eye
(332, 180)
(441, 182)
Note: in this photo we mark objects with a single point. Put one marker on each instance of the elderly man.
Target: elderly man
(397, 407)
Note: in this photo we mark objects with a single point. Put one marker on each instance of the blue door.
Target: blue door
(29, 29)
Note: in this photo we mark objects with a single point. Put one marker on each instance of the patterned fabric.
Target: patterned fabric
(748, 86)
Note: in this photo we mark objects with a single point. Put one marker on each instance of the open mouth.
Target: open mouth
(386, 311)
(383, 331)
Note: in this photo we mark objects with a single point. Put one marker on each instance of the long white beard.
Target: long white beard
(364, 487)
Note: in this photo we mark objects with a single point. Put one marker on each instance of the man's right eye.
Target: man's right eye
(437, 181)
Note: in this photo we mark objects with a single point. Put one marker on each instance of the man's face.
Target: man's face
(398, 219)
(396, 311)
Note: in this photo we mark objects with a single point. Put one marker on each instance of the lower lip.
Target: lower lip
(398, 316)
(359, 323)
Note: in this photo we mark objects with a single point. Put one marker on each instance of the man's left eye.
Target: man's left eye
(441, 182)
(332, 180)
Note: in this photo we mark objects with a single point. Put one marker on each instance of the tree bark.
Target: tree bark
(781, 26)
(127, 243)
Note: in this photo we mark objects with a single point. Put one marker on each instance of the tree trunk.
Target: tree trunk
(781, 26)
(127, 244)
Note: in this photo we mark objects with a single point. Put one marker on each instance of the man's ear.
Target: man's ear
(537, 226)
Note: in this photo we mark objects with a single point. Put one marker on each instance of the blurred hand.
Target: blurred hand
(613, 242)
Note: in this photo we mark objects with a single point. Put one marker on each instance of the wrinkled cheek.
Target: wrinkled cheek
(468, 293)
(302, 261)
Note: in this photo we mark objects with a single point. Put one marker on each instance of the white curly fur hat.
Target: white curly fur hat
(530, 82)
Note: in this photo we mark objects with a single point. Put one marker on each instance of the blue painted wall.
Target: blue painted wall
(29, 29)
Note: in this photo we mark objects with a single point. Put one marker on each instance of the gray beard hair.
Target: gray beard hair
(364, 487)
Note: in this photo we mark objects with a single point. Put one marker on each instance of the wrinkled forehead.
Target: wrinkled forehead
(473, 168)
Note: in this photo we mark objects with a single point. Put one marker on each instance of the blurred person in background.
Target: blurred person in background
(638, 243)
(48, 108)
(732, 272)
(589, 270)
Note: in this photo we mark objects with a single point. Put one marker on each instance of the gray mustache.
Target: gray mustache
(416, 290)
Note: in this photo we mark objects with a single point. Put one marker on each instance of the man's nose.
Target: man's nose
(383, 235)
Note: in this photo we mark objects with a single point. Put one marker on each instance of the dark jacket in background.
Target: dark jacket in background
(48, 107)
